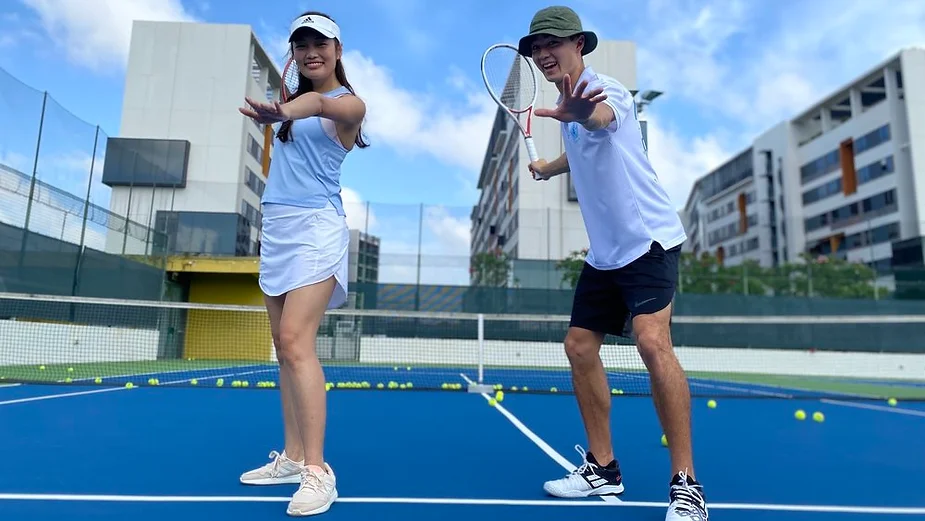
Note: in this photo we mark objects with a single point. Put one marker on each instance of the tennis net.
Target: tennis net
(88, 341)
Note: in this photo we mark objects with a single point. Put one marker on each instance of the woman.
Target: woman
(303, 257)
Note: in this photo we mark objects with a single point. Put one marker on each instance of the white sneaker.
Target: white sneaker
(590, 479)
(687, 500)
(281, 470)
(316, 493)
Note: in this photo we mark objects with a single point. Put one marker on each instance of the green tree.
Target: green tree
(490, 269)
(571, 267)
(824, 277)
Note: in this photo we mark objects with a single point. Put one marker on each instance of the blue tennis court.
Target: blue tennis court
(85, 451)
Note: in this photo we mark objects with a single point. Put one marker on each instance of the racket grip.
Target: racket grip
(531, 149)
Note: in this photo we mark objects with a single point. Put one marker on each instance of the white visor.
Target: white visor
(322, 24)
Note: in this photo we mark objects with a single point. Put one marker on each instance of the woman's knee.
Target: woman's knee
(295, 344)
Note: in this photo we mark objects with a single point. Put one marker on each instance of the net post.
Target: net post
(479, 386)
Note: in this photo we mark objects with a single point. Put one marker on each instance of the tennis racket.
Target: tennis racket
(511, 81)
(290, 81)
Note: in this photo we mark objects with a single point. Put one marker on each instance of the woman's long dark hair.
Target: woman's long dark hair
(305, 85)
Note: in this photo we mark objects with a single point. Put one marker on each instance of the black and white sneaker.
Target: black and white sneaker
(590, 479)
(687, 502)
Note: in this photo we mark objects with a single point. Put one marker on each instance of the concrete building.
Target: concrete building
(186, 161)
(536, 223)
(838, 178)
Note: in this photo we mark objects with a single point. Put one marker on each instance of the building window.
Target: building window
(254, 182)
(254, 148)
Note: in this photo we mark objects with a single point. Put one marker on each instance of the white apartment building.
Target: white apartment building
(536, 223)
(186, 162)
(838, 178)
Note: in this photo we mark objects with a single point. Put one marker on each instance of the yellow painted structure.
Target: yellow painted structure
(194, 264)
(235, 336)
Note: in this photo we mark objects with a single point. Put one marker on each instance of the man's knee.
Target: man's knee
(653, 335)
(582, 345)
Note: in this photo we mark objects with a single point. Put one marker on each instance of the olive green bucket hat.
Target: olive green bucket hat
(558, 21)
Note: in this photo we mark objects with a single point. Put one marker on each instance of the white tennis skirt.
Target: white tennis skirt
(303, 246)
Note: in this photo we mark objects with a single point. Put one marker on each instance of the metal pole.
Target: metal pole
(83, 224)
(35, 166)
(417, 287)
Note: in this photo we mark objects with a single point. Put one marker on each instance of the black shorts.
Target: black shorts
(607, 300)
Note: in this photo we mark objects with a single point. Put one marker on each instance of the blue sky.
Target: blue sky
(729, 69)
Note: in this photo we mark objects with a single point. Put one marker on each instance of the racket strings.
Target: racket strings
(510, 78)
(290, 79)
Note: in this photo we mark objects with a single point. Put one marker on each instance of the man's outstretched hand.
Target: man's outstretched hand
(576, 104)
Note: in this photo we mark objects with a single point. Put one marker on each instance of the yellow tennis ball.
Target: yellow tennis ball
(152, 381)
(98, 380)
(553, 390)
(711, 404)
(410, 385)
(194, 382)
(129, 385)
(800, 415)
(664, 440)
(70, 369)
(220, 382)
(67, 380)
(244, 383)
(380, 385)
(613, 391)
(499, 396)
(492, 402)
(41, 368)
(818, 416)
(892, 402)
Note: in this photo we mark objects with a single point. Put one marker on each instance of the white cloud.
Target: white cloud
(744, 66)
(97, 33)
(680, 160)
(417, 123)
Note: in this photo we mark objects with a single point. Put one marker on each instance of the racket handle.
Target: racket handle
(531, 149)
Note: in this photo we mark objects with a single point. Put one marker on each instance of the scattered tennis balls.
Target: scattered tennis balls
(499, 396)
(220, 382)
(410, 385)
(70, 369)
(67, 380)
(194, 382)
(381, 385)
(513, 387)
(664, 440)
(818, 416)
(892, 402)
(408, 368)
(800, 415)
(328, 386)
(153, 381)
(129, 385)
(244, 383)
(492, 402)
(553, 390)
(711, 404)
(41, 368)
(98, 380)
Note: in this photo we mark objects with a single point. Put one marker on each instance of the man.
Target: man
(628, 280)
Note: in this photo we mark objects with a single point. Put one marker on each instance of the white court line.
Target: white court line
(545, 447)
(872, 407)
(112, 389)
(459, 501)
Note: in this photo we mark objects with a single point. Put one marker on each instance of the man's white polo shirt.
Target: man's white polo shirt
(623, 205)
